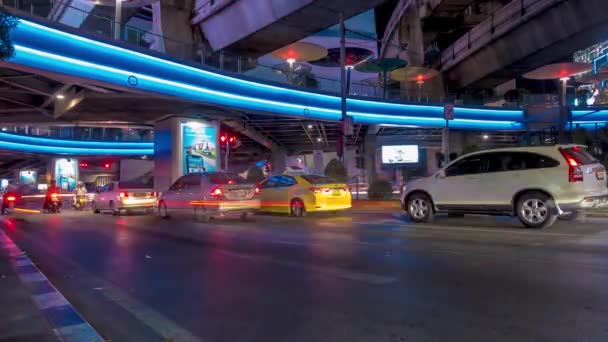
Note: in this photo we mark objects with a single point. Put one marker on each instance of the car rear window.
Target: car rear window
(224, 178)
(313, 179)
(580, 155)
(132, 185)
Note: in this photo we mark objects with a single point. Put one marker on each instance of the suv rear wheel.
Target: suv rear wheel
(420, 208)
(536, 210)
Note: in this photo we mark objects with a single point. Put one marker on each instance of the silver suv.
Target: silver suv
(536, 184)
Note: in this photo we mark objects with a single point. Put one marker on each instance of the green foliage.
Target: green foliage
(7, 24)
(255, 174)
(336, 170)
(380, 190)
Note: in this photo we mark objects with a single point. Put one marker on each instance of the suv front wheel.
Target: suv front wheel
(536, 210)
(420, 208)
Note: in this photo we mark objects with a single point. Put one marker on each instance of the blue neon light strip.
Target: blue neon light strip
(27, 140)
(11, 146)
(471, 124)
(70, 66)
(599, 115)
(220, 89)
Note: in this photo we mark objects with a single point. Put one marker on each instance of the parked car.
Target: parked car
(210, 194)
(536, 184)
(300, 194)
(121, 196)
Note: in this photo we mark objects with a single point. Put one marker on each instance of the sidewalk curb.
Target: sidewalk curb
(67, 324)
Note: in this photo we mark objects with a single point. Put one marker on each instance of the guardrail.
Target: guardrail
(497, 24)
(83, 133)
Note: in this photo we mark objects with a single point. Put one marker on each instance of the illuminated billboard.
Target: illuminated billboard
(66, 173)
(28, 177)
(199, 145)
(400, 154)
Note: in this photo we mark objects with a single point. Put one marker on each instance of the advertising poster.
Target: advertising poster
(400, 154)
(199, 148)
(66, 173)
(28, 177)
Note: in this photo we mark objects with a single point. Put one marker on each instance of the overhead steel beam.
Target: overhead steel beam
(24, 104)
(241, 127)
(22, 86)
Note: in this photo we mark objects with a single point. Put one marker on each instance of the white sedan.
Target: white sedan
(209, 194)
(118, 197)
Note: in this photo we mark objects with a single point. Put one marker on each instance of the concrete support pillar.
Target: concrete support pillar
(410, 33)
(458, 140)
(278, 159)
(370, 147)
(171, 19)
(183, 146)
(318, 161)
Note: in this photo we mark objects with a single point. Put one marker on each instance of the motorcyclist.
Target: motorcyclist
(51, 189)
(79, 193)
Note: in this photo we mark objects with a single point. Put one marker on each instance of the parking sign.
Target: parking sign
(448, 111)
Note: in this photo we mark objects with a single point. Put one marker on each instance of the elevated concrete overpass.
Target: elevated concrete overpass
(47, 50)
(257, 27)
(522, 36)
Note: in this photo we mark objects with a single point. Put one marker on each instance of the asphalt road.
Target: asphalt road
(351, 277)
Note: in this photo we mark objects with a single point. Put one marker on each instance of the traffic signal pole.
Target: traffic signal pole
(227, 155)
(343, 88)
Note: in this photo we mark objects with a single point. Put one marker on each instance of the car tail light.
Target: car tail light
(54, 196)
(575, 173)
(123, 194)
(153, 194)
(11, 198)
(346, 188)
(256, 190)
(217, 193)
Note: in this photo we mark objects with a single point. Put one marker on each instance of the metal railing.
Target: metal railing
(221, 60)
(83, 133)
(497, 24)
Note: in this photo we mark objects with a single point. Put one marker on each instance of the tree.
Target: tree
(336, 170)
(7, 24)
(255, 174)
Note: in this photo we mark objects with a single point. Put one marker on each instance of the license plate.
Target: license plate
(600, 175)
(336, 193)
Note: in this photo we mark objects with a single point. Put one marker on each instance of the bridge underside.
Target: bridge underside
(550, 37)
(264, 25)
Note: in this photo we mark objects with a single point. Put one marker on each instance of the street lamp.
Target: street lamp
(117, 19)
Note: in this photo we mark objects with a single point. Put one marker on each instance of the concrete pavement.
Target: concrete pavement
(356, 277)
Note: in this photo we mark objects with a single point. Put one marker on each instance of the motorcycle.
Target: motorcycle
(54, 204)
(79, 202)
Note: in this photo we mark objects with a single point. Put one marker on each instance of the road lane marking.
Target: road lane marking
(156, 321)
(48, 300)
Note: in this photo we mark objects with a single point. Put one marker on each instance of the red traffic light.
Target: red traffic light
(232, 140)
(223, 138)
